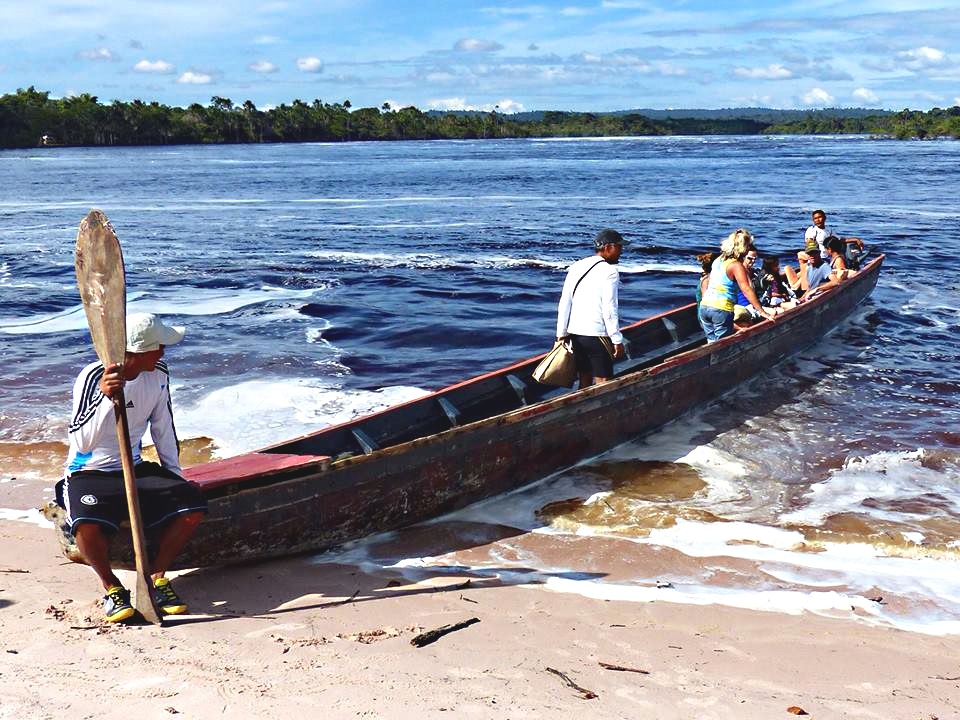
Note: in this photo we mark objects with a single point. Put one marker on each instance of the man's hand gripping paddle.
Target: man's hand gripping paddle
(102, 283)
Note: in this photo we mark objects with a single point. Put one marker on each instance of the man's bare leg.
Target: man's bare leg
(792, 278)
(172, 540)
(95, 548)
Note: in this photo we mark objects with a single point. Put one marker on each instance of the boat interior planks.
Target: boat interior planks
(480, 437)
(648, 342)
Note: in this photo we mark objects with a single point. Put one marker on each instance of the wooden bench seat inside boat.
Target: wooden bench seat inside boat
(243, 467)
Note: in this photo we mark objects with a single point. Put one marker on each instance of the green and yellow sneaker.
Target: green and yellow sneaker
(166, 599)
(116, 604)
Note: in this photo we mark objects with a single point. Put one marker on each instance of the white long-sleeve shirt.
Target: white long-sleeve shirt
(594, 310)
(93, 428)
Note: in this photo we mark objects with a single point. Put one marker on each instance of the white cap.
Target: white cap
(146, 332)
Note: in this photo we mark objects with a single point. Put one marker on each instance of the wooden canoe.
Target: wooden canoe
(478, 438)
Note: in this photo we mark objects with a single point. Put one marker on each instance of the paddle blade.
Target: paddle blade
(102, 284)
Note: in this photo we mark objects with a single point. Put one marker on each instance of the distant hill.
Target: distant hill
(770, 115)
(763, 115)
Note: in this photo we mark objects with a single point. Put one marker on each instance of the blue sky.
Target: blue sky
(574, 55)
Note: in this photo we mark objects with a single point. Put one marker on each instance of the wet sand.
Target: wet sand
(293, 638)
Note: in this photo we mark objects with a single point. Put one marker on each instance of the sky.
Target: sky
(581, 55)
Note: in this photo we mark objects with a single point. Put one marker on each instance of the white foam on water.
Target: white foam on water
(836, 581)
(444, 260)
(885, 476)
(197, 302)
(605, 139)
(279, 410)
(641, 267)
(428, 199)
(932, 304)
(31, 516)
(811, 579)
(397, 226)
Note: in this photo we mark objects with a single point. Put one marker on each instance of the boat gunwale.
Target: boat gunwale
(673, 361)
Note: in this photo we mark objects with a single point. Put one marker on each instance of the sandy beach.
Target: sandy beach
(293, 638)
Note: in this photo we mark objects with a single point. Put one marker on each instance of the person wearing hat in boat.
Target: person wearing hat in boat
(92, 491)
(588, 313)
(814, 274)
(726, 275)
(820, 232)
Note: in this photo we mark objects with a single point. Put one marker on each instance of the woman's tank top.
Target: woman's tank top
(721, 290)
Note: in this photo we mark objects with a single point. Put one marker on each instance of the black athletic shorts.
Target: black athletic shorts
(592, 356)
(99, 496)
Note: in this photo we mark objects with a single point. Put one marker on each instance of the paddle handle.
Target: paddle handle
(143, 597)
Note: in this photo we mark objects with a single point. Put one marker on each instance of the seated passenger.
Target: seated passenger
(814, 272)
(706, 262)
(743, 313)
(775, 291)
(838, 264)
(726, 274)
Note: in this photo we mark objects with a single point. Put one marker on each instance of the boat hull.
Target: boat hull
(384, 489)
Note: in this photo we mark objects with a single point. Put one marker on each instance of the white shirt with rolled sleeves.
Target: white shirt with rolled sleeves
(594, 310)
(93, 429)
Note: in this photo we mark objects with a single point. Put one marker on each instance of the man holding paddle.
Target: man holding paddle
(93, 486)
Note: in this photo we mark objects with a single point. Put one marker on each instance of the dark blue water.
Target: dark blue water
(421, 263)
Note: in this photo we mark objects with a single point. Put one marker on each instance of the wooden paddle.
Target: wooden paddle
(102, 283)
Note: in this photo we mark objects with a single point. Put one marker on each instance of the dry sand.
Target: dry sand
(284, 639)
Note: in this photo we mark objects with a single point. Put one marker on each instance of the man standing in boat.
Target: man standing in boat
(92, 491)
(588, 313)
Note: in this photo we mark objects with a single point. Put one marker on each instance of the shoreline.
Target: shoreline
(278, 638)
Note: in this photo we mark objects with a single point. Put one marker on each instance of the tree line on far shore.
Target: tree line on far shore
(29, 118)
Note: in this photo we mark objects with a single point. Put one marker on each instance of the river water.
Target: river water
(322, 281)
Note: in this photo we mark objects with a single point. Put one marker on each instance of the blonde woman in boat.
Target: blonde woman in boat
(726, 275)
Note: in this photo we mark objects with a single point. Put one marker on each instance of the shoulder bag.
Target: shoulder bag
(559, 367)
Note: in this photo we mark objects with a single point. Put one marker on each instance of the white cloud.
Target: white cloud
(449, 104)
(666, 69)
(161, 67)
(922, 57)
(506, 105)
(100, 53)
(262, 66)
(190, 77)
(441, 77)
(266, 40)
(866, 95)
(817, 96)
(510, 106)
(474, 45)
(770, 72)
(626, 5)
(574, 11)
(956, 100)
(309, 64)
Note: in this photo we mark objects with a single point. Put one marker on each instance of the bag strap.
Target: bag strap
(583, 276)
